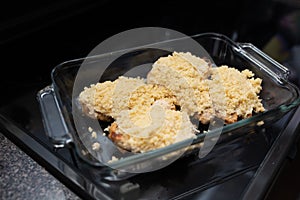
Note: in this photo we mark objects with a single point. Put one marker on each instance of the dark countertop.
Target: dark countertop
(23, 178)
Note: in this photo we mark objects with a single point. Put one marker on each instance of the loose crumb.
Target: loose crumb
(113, 159)
(96, 146)
(260, 123)
(94, 134)
(83, 152)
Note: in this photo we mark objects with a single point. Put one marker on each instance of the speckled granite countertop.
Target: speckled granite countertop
(22, 178)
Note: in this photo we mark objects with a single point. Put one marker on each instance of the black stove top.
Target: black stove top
(241, 172)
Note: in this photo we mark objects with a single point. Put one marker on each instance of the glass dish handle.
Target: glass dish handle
(55, 127)
(264, 61)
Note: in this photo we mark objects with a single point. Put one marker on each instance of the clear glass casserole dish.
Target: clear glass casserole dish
(279, 96)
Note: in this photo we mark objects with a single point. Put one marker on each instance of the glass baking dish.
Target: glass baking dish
(279, 96)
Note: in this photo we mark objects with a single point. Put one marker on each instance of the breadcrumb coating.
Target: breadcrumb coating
(151, 121)
(155, 112)
(222, 91)
(176, 126)
(185, 74)
(237, 93)
(107, 99)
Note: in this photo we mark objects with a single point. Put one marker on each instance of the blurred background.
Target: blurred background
(37, 36)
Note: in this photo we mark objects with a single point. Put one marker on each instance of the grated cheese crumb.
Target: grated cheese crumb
(260, 123)
(94, 134)
(96, 146)
(113, 159)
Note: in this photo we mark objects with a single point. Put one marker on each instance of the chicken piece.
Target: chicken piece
(105, 100)
(235, 93)
(185, 74)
